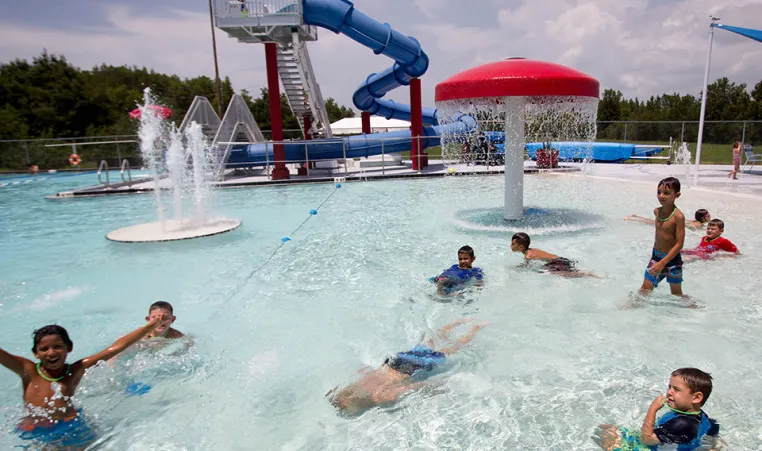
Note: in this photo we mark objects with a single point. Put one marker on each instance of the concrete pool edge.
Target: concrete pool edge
(96, 191)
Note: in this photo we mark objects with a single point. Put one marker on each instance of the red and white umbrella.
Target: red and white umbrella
(158, 110)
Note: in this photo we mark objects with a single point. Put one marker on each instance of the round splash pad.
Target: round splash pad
(536, 221)
(172, 230)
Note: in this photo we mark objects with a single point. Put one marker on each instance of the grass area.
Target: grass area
(710, 153)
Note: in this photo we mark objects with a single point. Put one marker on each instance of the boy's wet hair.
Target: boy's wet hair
(671, 183)
(467, 250)
(701, 214)
(164, 305)
(53, 329)
(522, 239)
(718, 223)
(696, 380)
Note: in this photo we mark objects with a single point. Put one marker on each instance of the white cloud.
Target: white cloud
(638, 46)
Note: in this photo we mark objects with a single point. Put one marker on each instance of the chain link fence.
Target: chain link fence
(54, 153)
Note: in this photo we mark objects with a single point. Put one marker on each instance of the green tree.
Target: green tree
(336, 112)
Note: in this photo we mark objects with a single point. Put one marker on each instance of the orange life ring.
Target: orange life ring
(75, 159)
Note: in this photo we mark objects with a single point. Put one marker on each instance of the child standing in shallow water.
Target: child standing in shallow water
(737, 147)
(666, 261)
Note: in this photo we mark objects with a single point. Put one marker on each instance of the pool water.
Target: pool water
(559, 357)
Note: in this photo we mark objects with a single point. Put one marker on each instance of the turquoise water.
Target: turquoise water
(560, 355)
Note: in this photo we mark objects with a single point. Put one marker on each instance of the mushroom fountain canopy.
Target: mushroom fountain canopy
(555, 102)
(515, 101)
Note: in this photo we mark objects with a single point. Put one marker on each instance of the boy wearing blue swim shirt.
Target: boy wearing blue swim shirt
(399, 374)
(49, 385)
(684, 425)
(456, 275)
(666, 261)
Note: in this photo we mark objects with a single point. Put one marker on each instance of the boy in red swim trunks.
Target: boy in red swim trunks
(712, 243)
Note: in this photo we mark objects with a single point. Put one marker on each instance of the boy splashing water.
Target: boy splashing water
(670, 237)
(163, 309)
(49, 384)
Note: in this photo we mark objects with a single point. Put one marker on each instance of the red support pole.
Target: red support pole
(365, 116)
(416, 124)
(307, 125)
(280, 172)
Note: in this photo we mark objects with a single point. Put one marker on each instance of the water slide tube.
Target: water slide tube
(340, 16)
(601, 151)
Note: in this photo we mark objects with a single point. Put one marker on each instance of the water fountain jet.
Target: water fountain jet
(191, 183)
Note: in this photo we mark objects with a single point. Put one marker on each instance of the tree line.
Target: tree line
(49, 97)
(726, 101)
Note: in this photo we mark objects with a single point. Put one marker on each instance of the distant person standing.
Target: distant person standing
(737, 149)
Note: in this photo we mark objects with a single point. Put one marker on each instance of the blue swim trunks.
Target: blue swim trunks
(74, 433)
(418, 358)
(673, 270)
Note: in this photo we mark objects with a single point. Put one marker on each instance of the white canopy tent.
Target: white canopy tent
(353, 125)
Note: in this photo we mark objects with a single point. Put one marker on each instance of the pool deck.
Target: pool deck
(711, 177)
(235, 179)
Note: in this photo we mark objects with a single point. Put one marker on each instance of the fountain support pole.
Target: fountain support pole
(307, 125)
(280, 172)
(365, 118)
(416, 123)
(513, 206)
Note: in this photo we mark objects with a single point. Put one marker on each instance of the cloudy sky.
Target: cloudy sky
(641, 47)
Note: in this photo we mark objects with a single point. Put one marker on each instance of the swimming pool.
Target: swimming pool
(560, 355)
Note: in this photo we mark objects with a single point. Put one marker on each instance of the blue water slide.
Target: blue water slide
(354, 146)
(340, 16)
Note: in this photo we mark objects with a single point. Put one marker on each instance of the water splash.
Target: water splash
(151, 138)
(187, 168)
(681, 164)
(176, 158)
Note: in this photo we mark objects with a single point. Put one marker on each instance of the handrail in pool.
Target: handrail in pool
(125, 165)
(103, 165)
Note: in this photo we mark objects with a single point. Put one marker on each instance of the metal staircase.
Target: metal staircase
(202, 112)
(301, 87)
(281, 22)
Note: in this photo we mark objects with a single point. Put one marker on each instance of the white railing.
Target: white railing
(311, 86)
(256, 8)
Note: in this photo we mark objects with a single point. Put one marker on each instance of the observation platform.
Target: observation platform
(258, 21)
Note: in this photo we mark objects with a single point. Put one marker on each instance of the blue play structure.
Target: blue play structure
(598, 151)
(340, 16)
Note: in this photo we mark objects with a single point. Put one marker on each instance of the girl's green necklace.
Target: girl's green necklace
(668, 217)
(52, 379)
(664, 401)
